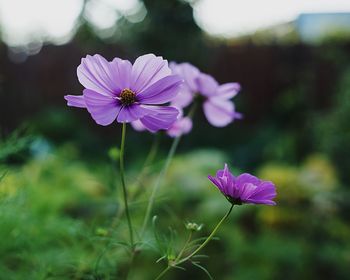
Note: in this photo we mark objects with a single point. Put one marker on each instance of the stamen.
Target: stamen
(127, 97)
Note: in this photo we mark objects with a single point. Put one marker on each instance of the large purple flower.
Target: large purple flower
(218, 108)
(244, 188)
(118, 90)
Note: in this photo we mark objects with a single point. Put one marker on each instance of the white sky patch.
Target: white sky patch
(23, 20)
(26, 21)
(100, 14)
(235, 17)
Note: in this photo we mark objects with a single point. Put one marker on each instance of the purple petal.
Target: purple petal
(246, 190)
(132, 113)
(247, 178)
(148, 69)
(97, 74)
(229, 90)
(207, 85)
(218, 112)
(188, 72)
(266, 190)
(137, 125)
(121, 70)
(75, 101)
(103, 109)
(162, 91)
(224, 172)
(183, 98)
(161, 118)
(180, 127)
(215, 182)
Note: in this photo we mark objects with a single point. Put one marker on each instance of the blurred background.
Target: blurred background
(59, 187)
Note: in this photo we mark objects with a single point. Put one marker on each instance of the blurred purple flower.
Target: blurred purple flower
(218, 108)
(189, 88)
(244, 188)
(182, 125)
(118, 90)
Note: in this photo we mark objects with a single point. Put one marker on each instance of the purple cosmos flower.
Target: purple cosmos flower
(244, 188)
(182, 125)
(118, 90)
(218, 108)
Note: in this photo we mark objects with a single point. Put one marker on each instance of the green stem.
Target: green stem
(163, 273)
(163, 172)
(184, 247)
(158, 182)
(177, 262)
(125, 194)
(146, 165)
(145, 169)
(208, 238)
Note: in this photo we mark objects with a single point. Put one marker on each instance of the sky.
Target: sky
(55, 20)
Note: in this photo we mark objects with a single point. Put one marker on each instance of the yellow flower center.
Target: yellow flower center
(127, 97)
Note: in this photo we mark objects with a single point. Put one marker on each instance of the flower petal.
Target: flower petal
(218, 112)
(180, 127)
(246, 190)
(247, 178)
(266, 190)
(216, 182)
(160, 118)
(207, 85)
(162, 91)
(75, 101)
(121, 71)
(183, 98)
(229, 90)
(97, 74)
(148, 69)
(103, 109)
(188, 72)
(137, 125)
(132, 113)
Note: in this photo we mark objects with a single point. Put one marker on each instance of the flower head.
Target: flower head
(125, 92)
(218, 108)
(244, 188)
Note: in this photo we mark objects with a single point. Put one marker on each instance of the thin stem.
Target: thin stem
(184, 247)
(158, 182)
(146, 165)
(163, 172)
(175, 263)
(145, 169)
(125, 194)
(163, 273)
(208, 238)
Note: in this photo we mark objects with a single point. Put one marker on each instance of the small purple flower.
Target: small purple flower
(244, 188)
(118, 90)
(218, 108)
